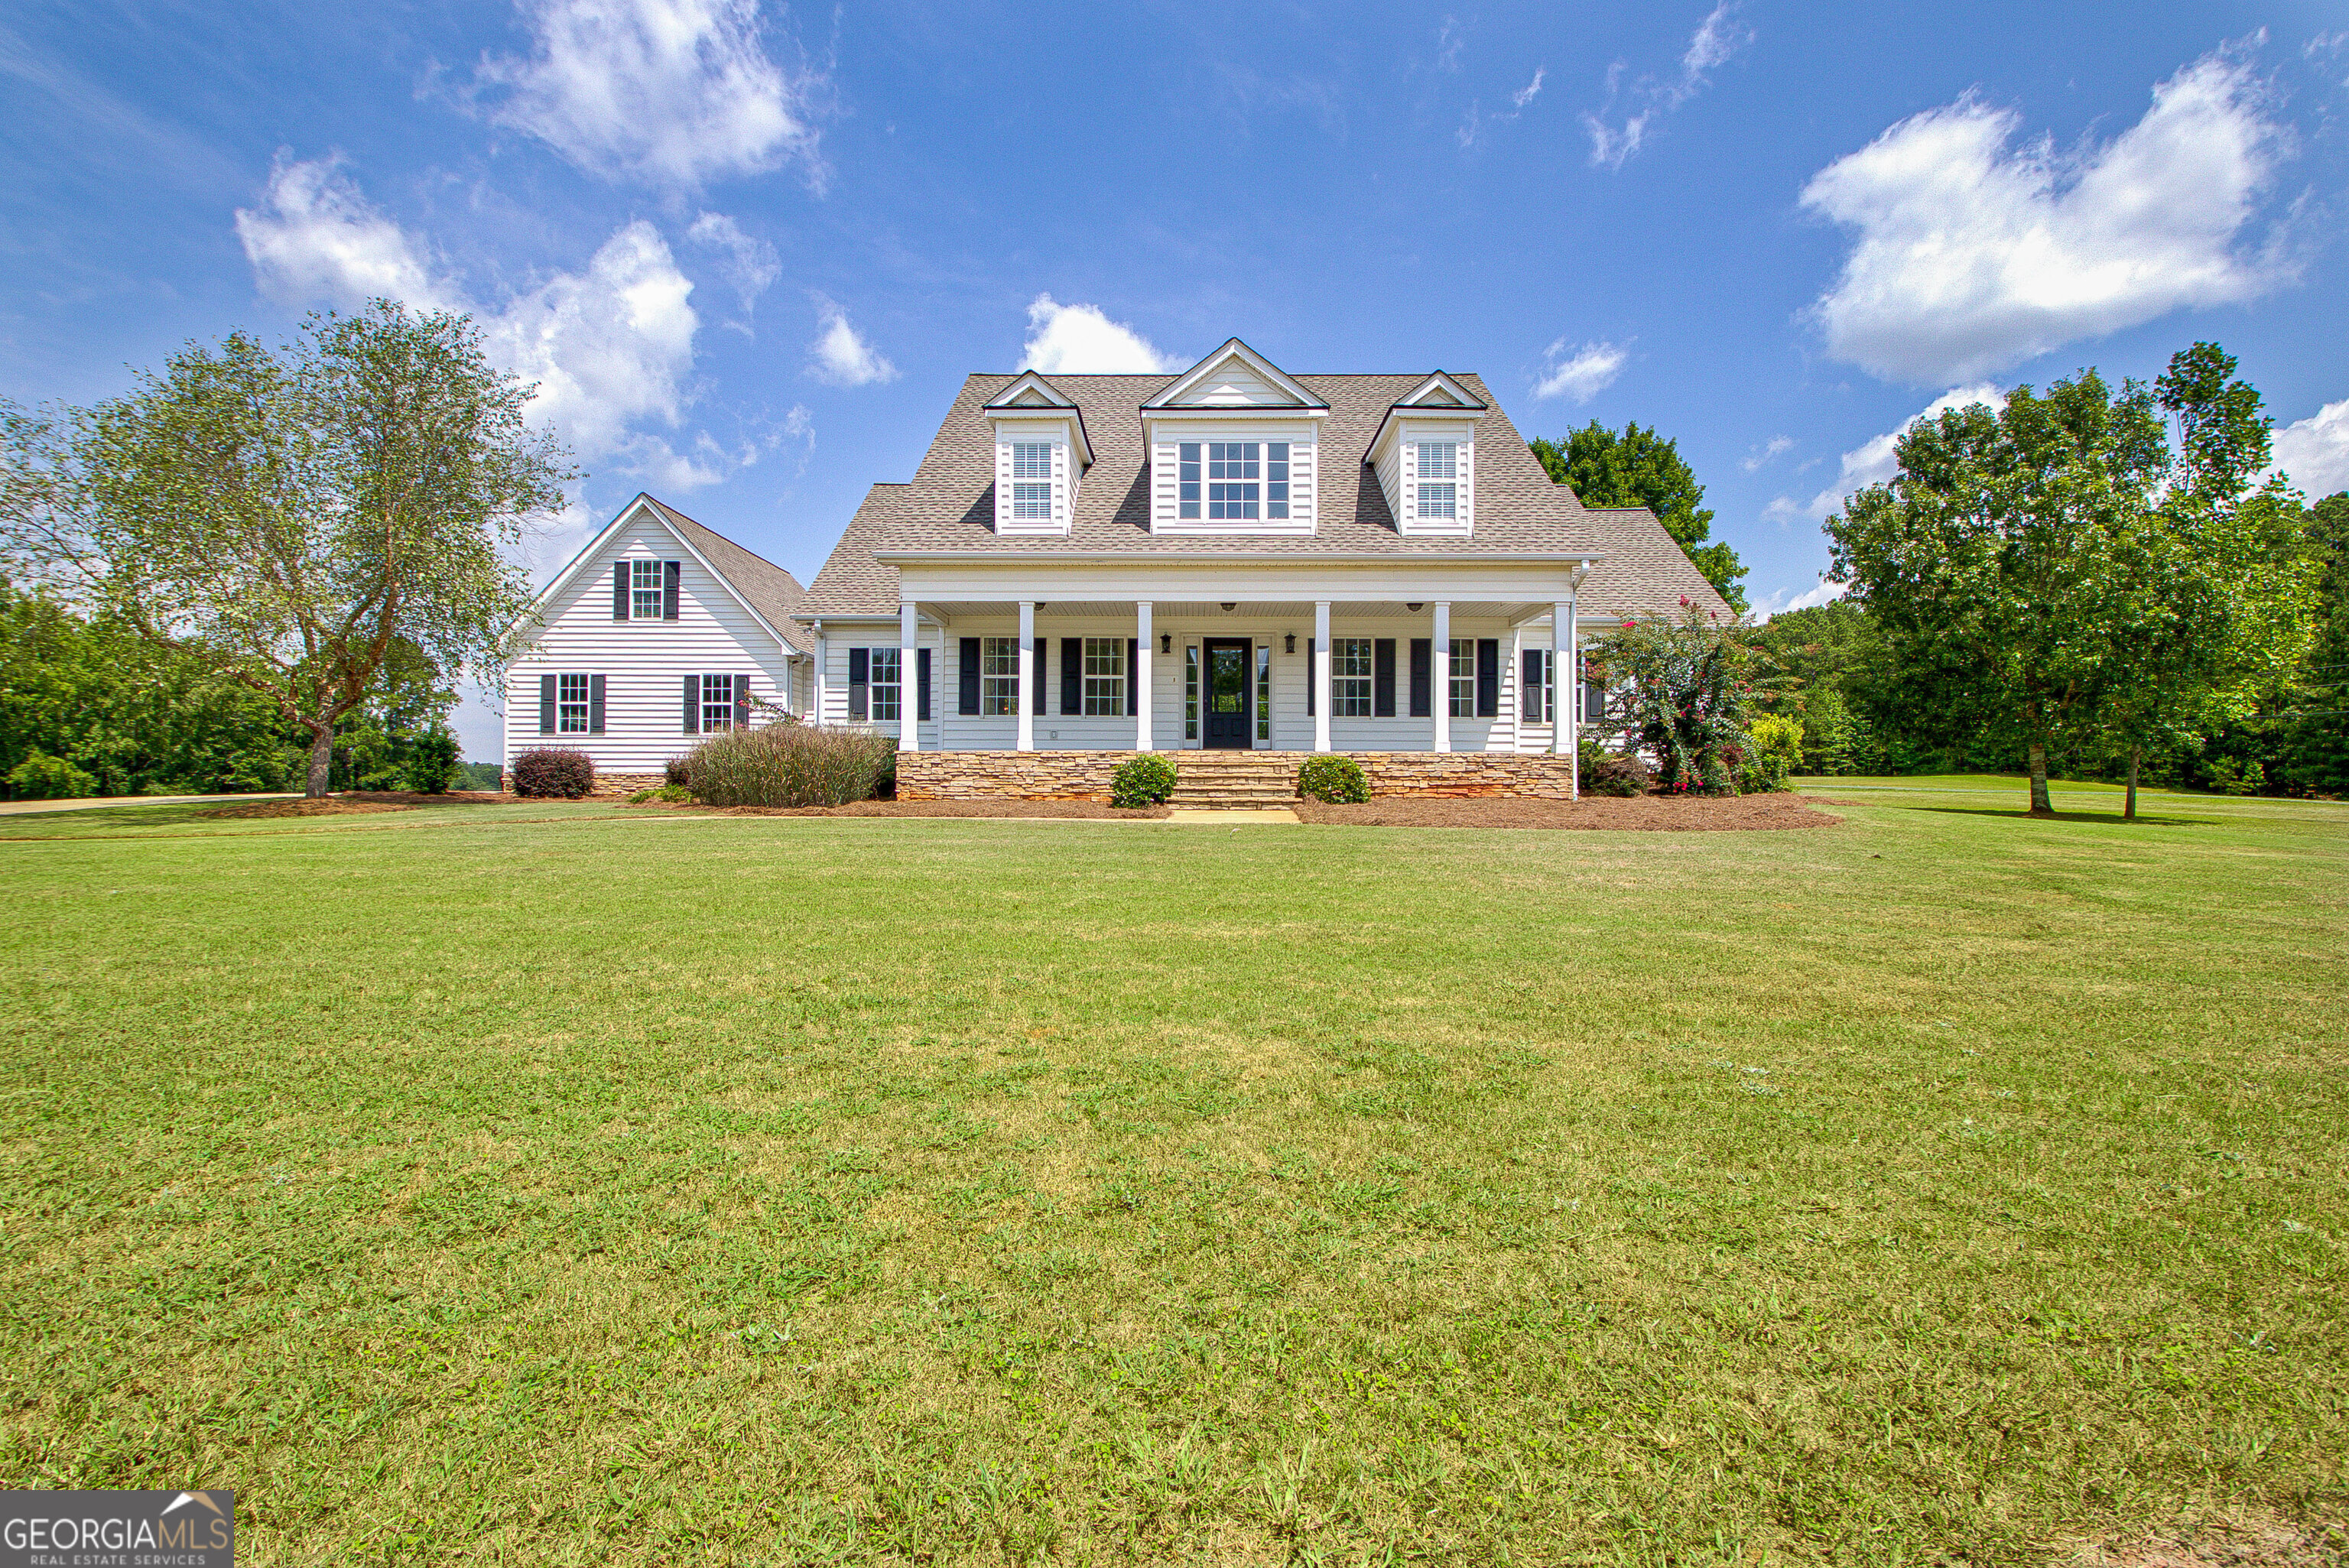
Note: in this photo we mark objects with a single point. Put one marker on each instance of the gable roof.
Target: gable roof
(1185, 390)
(773, 595)
(948, 507)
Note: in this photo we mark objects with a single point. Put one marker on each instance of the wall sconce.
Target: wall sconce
(1292, 641)
(1227, 606)
(1413, 608)
(1165, 642)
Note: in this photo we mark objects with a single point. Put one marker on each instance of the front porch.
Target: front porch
(1226, 778)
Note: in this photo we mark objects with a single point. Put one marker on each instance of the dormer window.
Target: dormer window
(1031, 479)
(1234, 448)
(1439, 468)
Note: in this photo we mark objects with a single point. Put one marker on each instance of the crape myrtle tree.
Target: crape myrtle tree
(286, 517)
(2212, 608)
(1639, 468)
(1995, 564)
(1685, 692)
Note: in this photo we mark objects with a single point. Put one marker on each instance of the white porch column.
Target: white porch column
(823, 669)
(1566, 681)
(1027, 674)
(1142, 651)
(1321, 675)
(909, 709)
(1442, 665)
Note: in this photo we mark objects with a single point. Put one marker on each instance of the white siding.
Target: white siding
(1064, 477)
(840, 636)
(643, 663)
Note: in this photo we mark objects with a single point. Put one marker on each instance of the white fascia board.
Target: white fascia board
(1258, 579)
(1069, 421)
(1233, 413)
(1006, 558)
(645, 503)
(1452, 389)
(1271, 373)
(1398, 417)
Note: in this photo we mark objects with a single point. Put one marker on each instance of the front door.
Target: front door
(1227, 694)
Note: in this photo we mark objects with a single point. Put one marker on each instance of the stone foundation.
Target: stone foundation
(618, 786)
(1085, 775)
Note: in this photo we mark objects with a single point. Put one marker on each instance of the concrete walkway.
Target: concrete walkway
(27, 807)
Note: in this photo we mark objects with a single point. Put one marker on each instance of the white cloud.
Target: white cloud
(1876, 460)
(1583, 376)
(1764, 453)
(610, 346)
(1080, 340)
(2315, 451)
(1472, 124)
(1778, 603)
(1531, 90)
(1720, 36)
(840, 354)
(749, 264)
(1971, 255)
(667, 93)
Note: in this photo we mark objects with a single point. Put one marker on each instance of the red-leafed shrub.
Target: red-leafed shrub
(550, 773)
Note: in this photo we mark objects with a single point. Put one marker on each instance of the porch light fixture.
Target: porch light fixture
(1292, 641)
(1413, 608)
(1227, 604)
(1165, 642)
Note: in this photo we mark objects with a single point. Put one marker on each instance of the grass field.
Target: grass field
(557, 1183)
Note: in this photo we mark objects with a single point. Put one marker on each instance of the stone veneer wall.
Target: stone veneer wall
(1085, 775)
(616, 786)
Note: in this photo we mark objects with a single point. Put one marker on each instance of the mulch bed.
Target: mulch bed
(354, 802)
(1079, 808)
(1636, 813)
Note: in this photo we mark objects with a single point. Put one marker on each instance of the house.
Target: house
(1232, 559)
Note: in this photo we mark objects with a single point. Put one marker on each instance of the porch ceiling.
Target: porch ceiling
(1164, 609)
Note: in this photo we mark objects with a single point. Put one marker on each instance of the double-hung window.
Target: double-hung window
(1031, 479)
(571, 705)
(1105, 677)
(643, 590)
(998, 676)
(1234, 475)
(1464, 677)
(717, 702)
(1439, 479)
(882, 684)
(1350, 677)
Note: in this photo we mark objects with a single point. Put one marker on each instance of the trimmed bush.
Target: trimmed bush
(675, 774)
(432, 762)
(1777, 751)
(1336, 780)
(41, 777)
(551, 774)
(792, 765)
(1606, 772)
(1144, 780)
(667, 795)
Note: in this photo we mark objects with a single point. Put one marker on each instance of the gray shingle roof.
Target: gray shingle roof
(949, 506)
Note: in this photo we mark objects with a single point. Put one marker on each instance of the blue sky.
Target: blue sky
(749, 253)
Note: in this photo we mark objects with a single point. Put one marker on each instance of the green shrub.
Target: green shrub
(1606, 772)
(1336, 780)
(2232, 776)
(1776, 752)
(547, 773)
(41, 777)
(675, 774)
(792, 765)
(667, 795)
(1144, 780)
(432, 762)
(486, 776)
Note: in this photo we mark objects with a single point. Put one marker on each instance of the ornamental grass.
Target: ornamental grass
(792, 765)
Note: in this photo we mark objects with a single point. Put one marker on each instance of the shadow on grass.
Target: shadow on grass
(2142, 819)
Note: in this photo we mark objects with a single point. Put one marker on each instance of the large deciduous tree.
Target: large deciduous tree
(288, 517)
(1991, 562)
(1636, 467)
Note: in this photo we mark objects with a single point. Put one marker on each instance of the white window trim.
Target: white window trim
(875, 659)
(1168, 442)
(1343, 684)
(641, 583)
(1464, 669)
(998, 678)
(1102, 669)
(725, 711)
(564, 704)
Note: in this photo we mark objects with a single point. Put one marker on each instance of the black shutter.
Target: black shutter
(1489, 677)
(860, 670)
(693, 704)
(1312, 684)
(1383, 678)
(1133, 677)
(1073, 674)
(967, 677)
(1423, 677)
(594, 705)
(1034, 701)
(741, 701)
(619, 589)
(671, 573)
(922, 676)
(1530, 680)
(547, 705)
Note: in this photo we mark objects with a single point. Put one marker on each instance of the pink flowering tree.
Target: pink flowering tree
(1684, 692)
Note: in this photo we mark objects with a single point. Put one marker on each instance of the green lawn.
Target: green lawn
(558, 1184)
